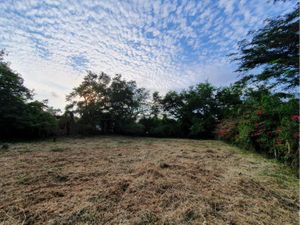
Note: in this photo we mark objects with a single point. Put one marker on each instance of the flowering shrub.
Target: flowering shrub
(287, 146)
(270, 126)
(227, 130)
(296, 117)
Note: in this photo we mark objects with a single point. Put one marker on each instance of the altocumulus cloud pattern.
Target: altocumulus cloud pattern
(162, 45)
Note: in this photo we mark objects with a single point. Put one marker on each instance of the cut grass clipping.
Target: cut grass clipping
(118, 180)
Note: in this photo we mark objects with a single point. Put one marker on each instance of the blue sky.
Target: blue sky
(163, 45)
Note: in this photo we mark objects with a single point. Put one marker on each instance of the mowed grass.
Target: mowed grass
(121, 180)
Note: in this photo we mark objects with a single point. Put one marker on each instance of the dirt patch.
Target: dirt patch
(117, 180)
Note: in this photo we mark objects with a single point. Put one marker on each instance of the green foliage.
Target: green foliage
(195, 110)
(156, 104)
(200, 110)
(245, 130)
(67, 124)
(287, 143)
(197, 127)
(166, 130)
(149, 123)
(163, 127)
(229, 100)
(20, 118)
(172, 104)
(267, 123)
(106, 105)
(133, 129)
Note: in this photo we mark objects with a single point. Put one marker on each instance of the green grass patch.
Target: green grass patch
(24, 180)
(285, 176)
(58, 149)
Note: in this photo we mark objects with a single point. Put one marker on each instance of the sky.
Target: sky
(162, 45)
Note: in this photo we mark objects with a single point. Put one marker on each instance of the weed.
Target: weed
(24, 180)
(149, 218)
(57, 149)
(190, 215)
(61, 178)
(82, 216)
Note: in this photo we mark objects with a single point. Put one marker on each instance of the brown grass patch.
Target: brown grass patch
(118, 180)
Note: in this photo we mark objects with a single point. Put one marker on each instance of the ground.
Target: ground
(139, 181)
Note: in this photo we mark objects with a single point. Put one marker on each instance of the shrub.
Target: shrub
(165, 130)
(287, 140)
(133, 129)
(87, 129)
(227, 130)
(197, 129)
(269, 125)
(243, 139)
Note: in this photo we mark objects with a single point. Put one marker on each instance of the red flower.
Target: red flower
(296, 117)
(296, 135)
(259, 112)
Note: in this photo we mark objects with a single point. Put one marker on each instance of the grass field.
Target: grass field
(120, 180)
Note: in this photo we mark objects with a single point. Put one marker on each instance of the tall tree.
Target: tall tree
(200, 110)
(108, 103)
(228, 100)
(172, 104)
(90, 98)
(19, 117)
(156, 104)
(273, 53)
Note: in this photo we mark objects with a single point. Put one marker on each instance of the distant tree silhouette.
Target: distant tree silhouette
(106, 104)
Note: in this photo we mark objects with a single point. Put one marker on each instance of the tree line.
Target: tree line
(260, 111)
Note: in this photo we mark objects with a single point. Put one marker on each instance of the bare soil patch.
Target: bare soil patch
(140, 181)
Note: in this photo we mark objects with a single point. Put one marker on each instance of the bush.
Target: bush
(133, 129)
(269, 125)
(87, 129)
(165, 130)
(287, 140)
(197, 128)
(202, 128)
(243, 139)
(227, 130)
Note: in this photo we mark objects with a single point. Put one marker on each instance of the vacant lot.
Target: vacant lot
(118, 180)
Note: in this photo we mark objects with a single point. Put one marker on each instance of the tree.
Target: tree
(200, 111)
(156, 104)
(67, 122)
(91, 102)
(20, 118)
(172, 104)
(228, 101)
(195, 110)
(127, 101)
(36, 121)
(273, 53)
(107, 104)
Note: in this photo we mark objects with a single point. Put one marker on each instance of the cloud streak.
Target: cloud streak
(162, 45)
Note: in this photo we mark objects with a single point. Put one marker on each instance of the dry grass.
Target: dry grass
(118, 180)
